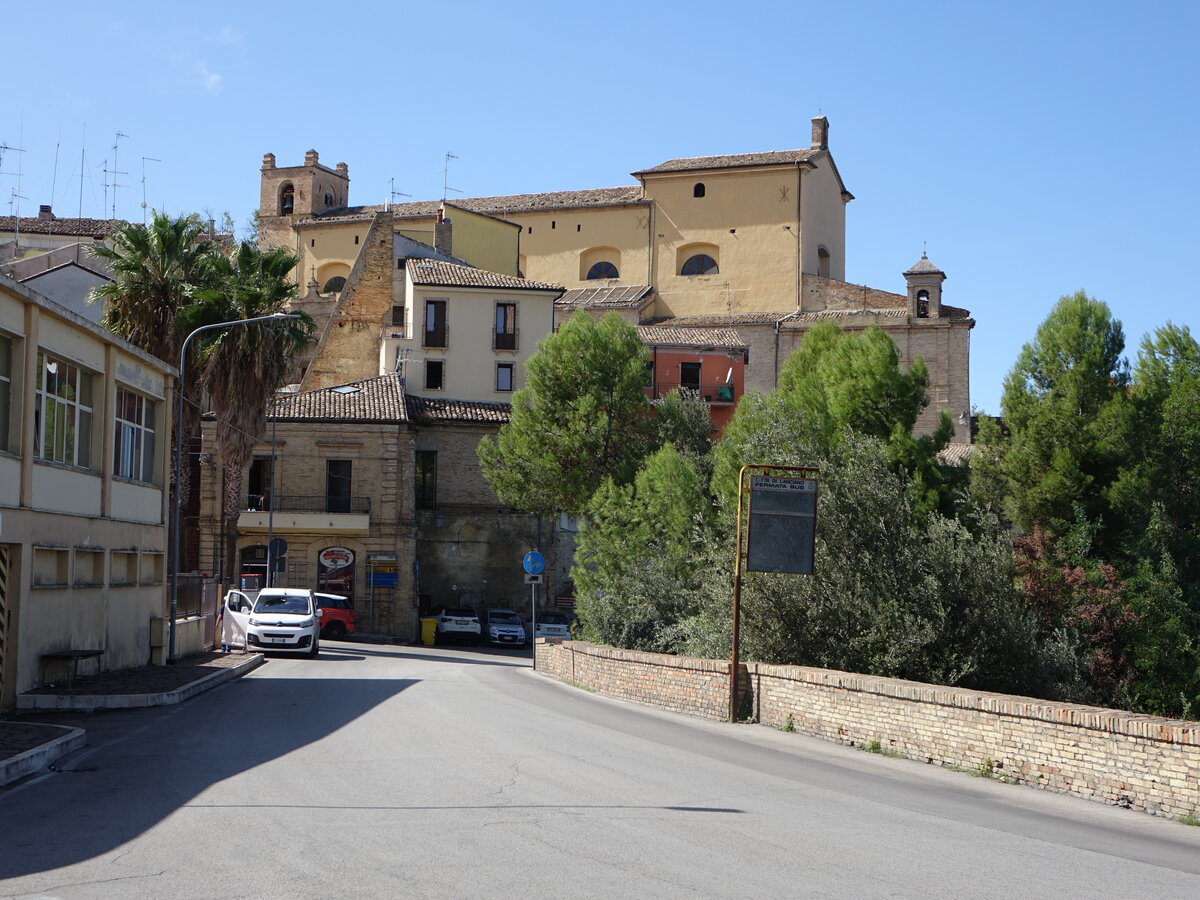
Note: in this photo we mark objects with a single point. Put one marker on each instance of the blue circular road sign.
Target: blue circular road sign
(534, 563)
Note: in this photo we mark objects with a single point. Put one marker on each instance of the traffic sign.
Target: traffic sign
(534, 562)
(533, 579)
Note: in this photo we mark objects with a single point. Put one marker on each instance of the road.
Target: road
(429, 772)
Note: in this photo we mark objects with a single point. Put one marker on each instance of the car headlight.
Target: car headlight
(307, 623)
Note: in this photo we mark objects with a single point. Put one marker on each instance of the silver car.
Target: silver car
(503, 627)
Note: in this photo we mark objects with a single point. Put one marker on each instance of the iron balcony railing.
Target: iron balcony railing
(713, 393)
(306, 503)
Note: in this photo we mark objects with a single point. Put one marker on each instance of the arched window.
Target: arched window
(287, 199)
(698, 189)
(603, 269)
(700, 264)
(822, 262)
(334, 285)
(328, 200)
(922, 304)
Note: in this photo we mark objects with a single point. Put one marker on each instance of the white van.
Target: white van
(278, 620)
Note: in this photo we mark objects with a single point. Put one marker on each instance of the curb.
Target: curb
(81, 702)
(35, 760)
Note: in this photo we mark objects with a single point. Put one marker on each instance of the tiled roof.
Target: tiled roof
(956, 454)
(372, 400)
(734, 161)
(726, 321)
(439, 410)
(665, 335)
(825, 315)
(616, 296)
(924, 267)
(498, 206)
(437, 273)
(93, 228)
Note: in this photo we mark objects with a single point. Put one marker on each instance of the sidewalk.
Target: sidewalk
(28, 747)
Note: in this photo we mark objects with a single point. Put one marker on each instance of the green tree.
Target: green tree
(1066, 417)
(583, 416)
(246, 365)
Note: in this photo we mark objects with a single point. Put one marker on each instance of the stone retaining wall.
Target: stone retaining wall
(1123, 759)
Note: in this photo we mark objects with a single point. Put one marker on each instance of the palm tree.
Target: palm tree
(244, 367)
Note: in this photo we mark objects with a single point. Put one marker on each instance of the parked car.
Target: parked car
(283, 620)
(337, 619)
(503, 627)
(553, 625)
(458, 623)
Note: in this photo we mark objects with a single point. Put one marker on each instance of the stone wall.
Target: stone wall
(1123, 759)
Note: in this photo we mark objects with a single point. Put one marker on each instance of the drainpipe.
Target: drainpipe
(778, 324)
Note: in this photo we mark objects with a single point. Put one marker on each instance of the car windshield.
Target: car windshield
(552, 619)
(458, 613)
(296, 604)
(504, 618)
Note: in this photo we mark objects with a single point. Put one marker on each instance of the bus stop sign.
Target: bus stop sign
(783, 525)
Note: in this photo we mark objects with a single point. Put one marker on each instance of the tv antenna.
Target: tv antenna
(115, 172)
(145, 159)
(393, 193)
(446, 176)
(5, 148)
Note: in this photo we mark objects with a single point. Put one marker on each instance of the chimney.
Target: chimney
(44, 211)
(268, 161)
(310, 158)
(343, 170)
(820, 133)
(443, 233)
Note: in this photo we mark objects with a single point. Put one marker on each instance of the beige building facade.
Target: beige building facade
(84, 451)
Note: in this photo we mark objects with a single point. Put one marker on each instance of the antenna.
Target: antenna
(6, 147)
(114, 171)
(446, 176)
(82, 152)
(145, 159)
(393, 193)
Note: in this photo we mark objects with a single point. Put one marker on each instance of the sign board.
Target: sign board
(335, 558)
(534, 562)
(783, 525)
(277, 547)
(533, 579)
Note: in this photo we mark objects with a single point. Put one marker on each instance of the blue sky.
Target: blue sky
(1036, 148)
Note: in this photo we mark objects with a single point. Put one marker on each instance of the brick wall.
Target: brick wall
(1123, 759)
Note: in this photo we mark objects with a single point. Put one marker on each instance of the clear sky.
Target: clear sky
(1035, 148)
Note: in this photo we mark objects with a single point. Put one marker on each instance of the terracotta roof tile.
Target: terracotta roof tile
(956, 454)
(615, 296)
(93, 228)
(439, 410)
(665, 335)
(437, 273)
(498, 206)
(735, 161)
(719, 321)
(374, 400)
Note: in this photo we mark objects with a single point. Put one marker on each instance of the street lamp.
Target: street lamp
(179, 460)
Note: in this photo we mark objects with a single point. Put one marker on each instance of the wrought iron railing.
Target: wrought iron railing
(306, 503)
(714, 393)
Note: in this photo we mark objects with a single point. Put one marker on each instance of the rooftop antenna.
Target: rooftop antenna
(446, 176)
(115, 172)
(6, 148)
(145, 159)
(82, 152)
(15, 197)
(393, 193)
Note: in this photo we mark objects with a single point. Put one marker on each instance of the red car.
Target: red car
(338, 618)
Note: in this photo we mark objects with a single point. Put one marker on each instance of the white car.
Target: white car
(554, 625)
(503, 626)
(279, 620)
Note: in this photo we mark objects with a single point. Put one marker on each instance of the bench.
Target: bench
(71, 658)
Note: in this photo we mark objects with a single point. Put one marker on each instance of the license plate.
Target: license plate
(277, 640)
(460, 621)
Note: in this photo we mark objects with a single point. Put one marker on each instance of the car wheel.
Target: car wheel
(315, 649)
(336, 630)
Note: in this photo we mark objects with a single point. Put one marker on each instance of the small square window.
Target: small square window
(504, 376)
(435, 374)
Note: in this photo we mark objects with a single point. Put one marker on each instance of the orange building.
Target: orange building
(709, 361)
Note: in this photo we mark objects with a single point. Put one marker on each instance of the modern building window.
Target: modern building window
(698, 189)
(287, 200)
(822, 262)
(133, 454)
(6, 349)
(337, 485)
(62, 412)
(425, 492)
(435, 374)
(435, 323)
(602, 269)
(334, 285)
(505, 334)
(700, 264)
(689, 376)
(504, 376)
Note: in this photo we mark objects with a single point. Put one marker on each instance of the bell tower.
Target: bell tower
(924, 289)
(296, 192)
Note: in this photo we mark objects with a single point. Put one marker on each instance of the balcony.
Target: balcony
(305, 513)
(715, 393)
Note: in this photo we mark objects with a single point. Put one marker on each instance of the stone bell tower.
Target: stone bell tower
(924, 289)
(297, 192)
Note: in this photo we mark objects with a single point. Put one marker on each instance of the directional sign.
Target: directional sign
(534, 562)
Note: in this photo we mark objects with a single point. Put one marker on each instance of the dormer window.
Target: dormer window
(698, 189)
(287, 200)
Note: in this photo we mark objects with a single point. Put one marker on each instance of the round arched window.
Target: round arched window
(700, 264)
(602, 269)
(287, 200)
(334, 285)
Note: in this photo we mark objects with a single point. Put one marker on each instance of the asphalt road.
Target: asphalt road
(421, 772)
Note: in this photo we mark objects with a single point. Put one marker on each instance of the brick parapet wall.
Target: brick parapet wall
(1123, 759)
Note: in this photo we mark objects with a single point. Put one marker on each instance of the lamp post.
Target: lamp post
(175, 524)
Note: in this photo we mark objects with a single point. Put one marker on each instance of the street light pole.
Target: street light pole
(175, 524)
